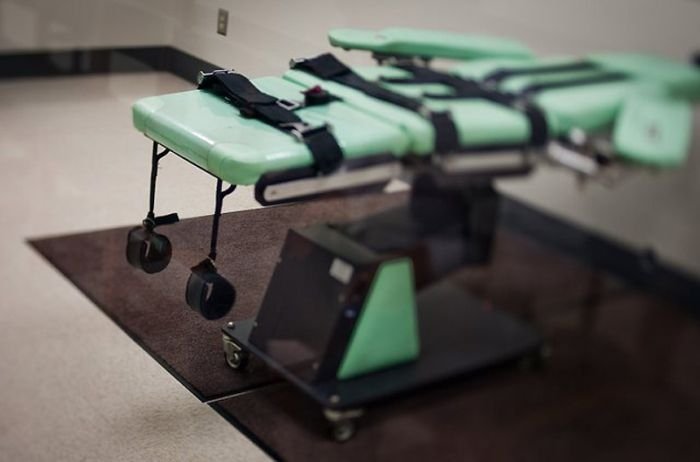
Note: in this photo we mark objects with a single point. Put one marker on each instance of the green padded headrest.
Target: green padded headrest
(427, 43)
(653, 130)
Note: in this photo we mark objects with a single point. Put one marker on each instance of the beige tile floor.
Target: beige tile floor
(72, 385)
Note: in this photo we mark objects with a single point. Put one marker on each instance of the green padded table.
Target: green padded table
(211, 133)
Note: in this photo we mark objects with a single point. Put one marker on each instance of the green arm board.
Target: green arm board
(680, 79)
(427, 43)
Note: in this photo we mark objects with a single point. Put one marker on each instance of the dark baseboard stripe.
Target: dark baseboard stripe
(640, 267)
(101, 61)
(186, 66)
(79, 62)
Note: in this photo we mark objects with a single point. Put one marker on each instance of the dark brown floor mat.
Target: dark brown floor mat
(623, 381)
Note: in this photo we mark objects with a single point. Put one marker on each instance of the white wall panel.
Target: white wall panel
(66, 24)
(263, 34)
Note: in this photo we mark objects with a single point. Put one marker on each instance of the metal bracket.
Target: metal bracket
(202, 76)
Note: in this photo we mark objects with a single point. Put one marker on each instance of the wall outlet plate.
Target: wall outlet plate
(222, 22)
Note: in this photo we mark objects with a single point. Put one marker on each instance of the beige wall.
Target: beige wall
(65, 24)
(264, 34)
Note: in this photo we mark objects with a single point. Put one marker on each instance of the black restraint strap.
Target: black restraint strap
(420, 74)
(328, 67)
(464, 89)
(500, 75)
(607, 77)
(241, 92)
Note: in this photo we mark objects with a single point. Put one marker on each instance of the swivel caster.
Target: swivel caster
(209, 293)
(148, 250)
(343, 424)
(236, 357)
(343, 430)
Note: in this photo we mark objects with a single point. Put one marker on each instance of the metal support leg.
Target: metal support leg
(146, 249)
(151, 220)
(474, 206)
(209, 293)
(482, 220)
(220, 195)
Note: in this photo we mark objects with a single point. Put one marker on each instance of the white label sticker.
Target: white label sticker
(340, 270)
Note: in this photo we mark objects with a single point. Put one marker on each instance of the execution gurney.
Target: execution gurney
(353, 335)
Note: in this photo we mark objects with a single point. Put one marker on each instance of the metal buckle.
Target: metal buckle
(288, 105)
(295, 61)
(300, 130)
(203, 76)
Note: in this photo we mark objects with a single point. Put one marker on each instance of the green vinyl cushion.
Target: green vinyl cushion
(588, 107)
(479, 123)
(653, 131)
(682, 80)
(479, 69)
(427, 43)
(414, 127)
(592, 107)
(210, 132)
(650, 122)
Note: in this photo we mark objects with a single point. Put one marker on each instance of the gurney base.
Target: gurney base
(459, 335)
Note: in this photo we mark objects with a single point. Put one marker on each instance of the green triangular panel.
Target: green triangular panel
(386, 332)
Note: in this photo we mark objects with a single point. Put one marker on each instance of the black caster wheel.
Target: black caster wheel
(236, 357)
(343, 424)
(148, 250)
(209, 293)
(343, 430)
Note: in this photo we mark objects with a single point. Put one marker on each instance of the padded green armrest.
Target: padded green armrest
(479, 69)
(588, 107)
(592, 108)
(427, 43)
(682, 80)
(654, 131)
(210, 132)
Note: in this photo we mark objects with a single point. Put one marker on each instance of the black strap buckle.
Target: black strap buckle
(320, 140)
(302, 130)
(151, 221)
(288, 105)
